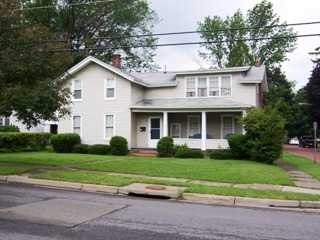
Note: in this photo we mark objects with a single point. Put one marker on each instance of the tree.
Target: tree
(103, 28)
(225, 44)
(313, 92)
(29, 86)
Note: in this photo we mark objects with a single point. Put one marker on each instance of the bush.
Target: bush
(183, 151)
(99, 149)
(118, 146)
(264, 133)
(9, 128)
(16, 142)
(221, 154)
(165, 147)
(80, 148)
(64, 143)
(238, 146)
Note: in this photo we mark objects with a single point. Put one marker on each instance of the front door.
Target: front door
(155, 131)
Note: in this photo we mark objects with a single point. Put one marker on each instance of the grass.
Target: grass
(111, 180)
(253, 193)
(232, 171)
(100, 178)
(303, 164)
(8, 169)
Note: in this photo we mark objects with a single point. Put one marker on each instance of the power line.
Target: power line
(219, 30)
(66, 5)
(182, 43)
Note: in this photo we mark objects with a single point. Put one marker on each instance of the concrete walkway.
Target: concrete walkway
(300, 178)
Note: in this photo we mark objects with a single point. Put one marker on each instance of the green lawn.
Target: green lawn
(303, 164)
(104, 179)
(8, 169)
(232, 171)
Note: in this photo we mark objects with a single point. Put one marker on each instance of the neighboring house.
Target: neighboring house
(199, 108)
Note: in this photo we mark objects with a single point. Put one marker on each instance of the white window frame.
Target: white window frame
(193, 116)
(72, 125)
(105, 89)
(222, 124)
(171, 128)
(196, 78)
(104, 125)
(73, 88)
(195, 88)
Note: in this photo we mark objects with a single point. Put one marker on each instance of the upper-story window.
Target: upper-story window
(191, 87)
(110, 88)
(202, 86)
(208, 86)
(77, 89)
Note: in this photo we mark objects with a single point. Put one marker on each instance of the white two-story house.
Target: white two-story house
(199, 108)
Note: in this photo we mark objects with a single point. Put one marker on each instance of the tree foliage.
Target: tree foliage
(103, 28)
(227, 47)
(28, 72)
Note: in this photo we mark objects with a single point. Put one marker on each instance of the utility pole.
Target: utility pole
(315, 126)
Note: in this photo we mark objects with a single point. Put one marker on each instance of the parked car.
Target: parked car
(294, 141)
(307, 141)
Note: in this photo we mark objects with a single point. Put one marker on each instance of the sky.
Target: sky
(184, 15)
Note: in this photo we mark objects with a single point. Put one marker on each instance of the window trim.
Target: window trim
(72, 88)
(105, 89)
(195, 88)
(178, 124)
(188, 128)
(104, 125)
(196, 78)
(222, 125)
(72, 124)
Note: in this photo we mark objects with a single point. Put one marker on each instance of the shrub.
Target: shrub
(264, 133)
(16, 142)
(80, 148)
(64, 143)
(238, 146)
(99, 149)
(165, 147)
(221, 154)
(118, 146)
(9, 128)
(183, 151)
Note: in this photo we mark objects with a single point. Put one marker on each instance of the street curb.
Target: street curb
(185, 197)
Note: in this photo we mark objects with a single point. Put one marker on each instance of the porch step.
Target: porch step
(144, 153)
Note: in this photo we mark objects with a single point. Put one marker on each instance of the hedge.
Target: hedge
(118, 146)
(183, 151)
(64, 143)
(99, 149)
(80, 148)
(165, 147)
(17, 142)
(221, 154)
(9, 128)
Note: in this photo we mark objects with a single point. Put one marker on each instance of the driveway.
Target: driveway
(305, 152)
(121, 218)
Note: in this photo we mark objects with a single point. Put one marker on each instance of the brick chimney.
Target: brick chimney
(116, 60)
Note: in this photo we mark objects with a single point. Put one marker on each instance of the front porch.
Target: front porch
(198, 129)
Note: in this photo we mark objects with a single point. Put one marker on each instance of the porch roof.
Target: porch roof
(189, 103)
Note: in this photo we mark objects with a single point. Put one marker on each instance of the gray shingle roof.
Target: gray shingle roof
(189, 103)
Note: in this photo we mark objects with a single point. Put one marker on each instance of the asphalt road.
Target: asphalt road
(140, 219)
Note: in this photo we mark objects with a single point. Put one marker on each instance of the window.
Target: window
(225, 86)
(227, 126)
(155, 128)
(202, 87)
(175, 130)
(194, 127)
(191, 87)
(213, 86)
(77, 89)
(4, 121)
(109, 126)
(110, 88)
(209, 86)
(76, 124)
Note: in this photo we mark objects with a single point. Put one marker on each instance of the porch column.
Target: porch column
(165, 124)
(203, 130)
(244, 114)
